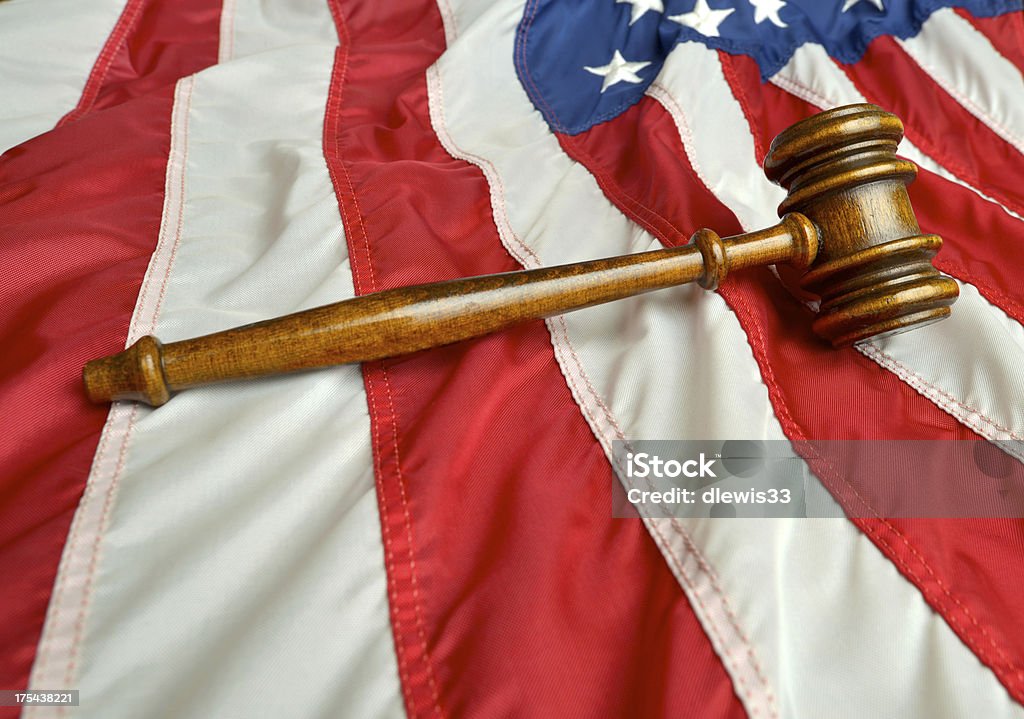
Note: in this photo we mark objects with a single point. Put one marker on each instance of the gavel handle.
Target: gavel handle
(407, 319)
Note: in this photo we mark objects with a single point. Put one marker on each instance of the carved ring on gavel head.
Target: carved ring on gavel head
(846, 219)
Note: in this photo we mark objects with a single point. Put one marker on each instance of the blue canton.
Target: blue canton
(583, 62)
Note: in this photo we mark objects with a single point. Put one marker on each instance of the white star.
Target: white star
(768, 10)
(703, 19)
(850, 3)
(642, 6)
(618, 70)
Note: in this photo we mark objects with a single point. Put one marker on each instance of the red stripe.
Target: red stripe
(937, 123)
(80, 207)
(968, 570)
(512, 592)
(1005, 32)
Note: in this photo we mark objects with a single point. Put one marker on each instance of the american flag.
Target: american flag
(432, 535)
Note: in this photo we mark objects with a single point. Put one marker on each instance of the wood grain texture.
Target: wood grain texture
(408, 319)
(846, 188)
(873, 272)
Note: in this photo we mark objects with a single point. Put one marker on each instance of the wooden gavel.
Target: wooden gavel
(847, 220)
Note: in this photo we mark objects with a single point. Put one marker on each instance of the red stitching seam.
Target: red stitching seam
(403, 665)
(103, 62)
(808, 95)
(108, 502)
(435, 694)
(998, 297)
(449, 19)
(903, 369)
(44, 658)
(362, 261)
(179, 226)
(523, 254)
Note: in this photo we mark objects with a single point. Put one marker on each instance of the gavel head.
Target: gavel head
(873, 270)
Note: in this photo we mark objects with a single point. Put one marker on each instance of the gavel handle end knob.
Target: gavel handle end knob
(134, 374)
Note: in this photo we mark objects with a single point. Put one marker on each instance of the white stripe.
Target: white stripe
(751, 582)
(47, 50)
(241, 570)
(256, 26)
(812, 76)
(963, 63)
